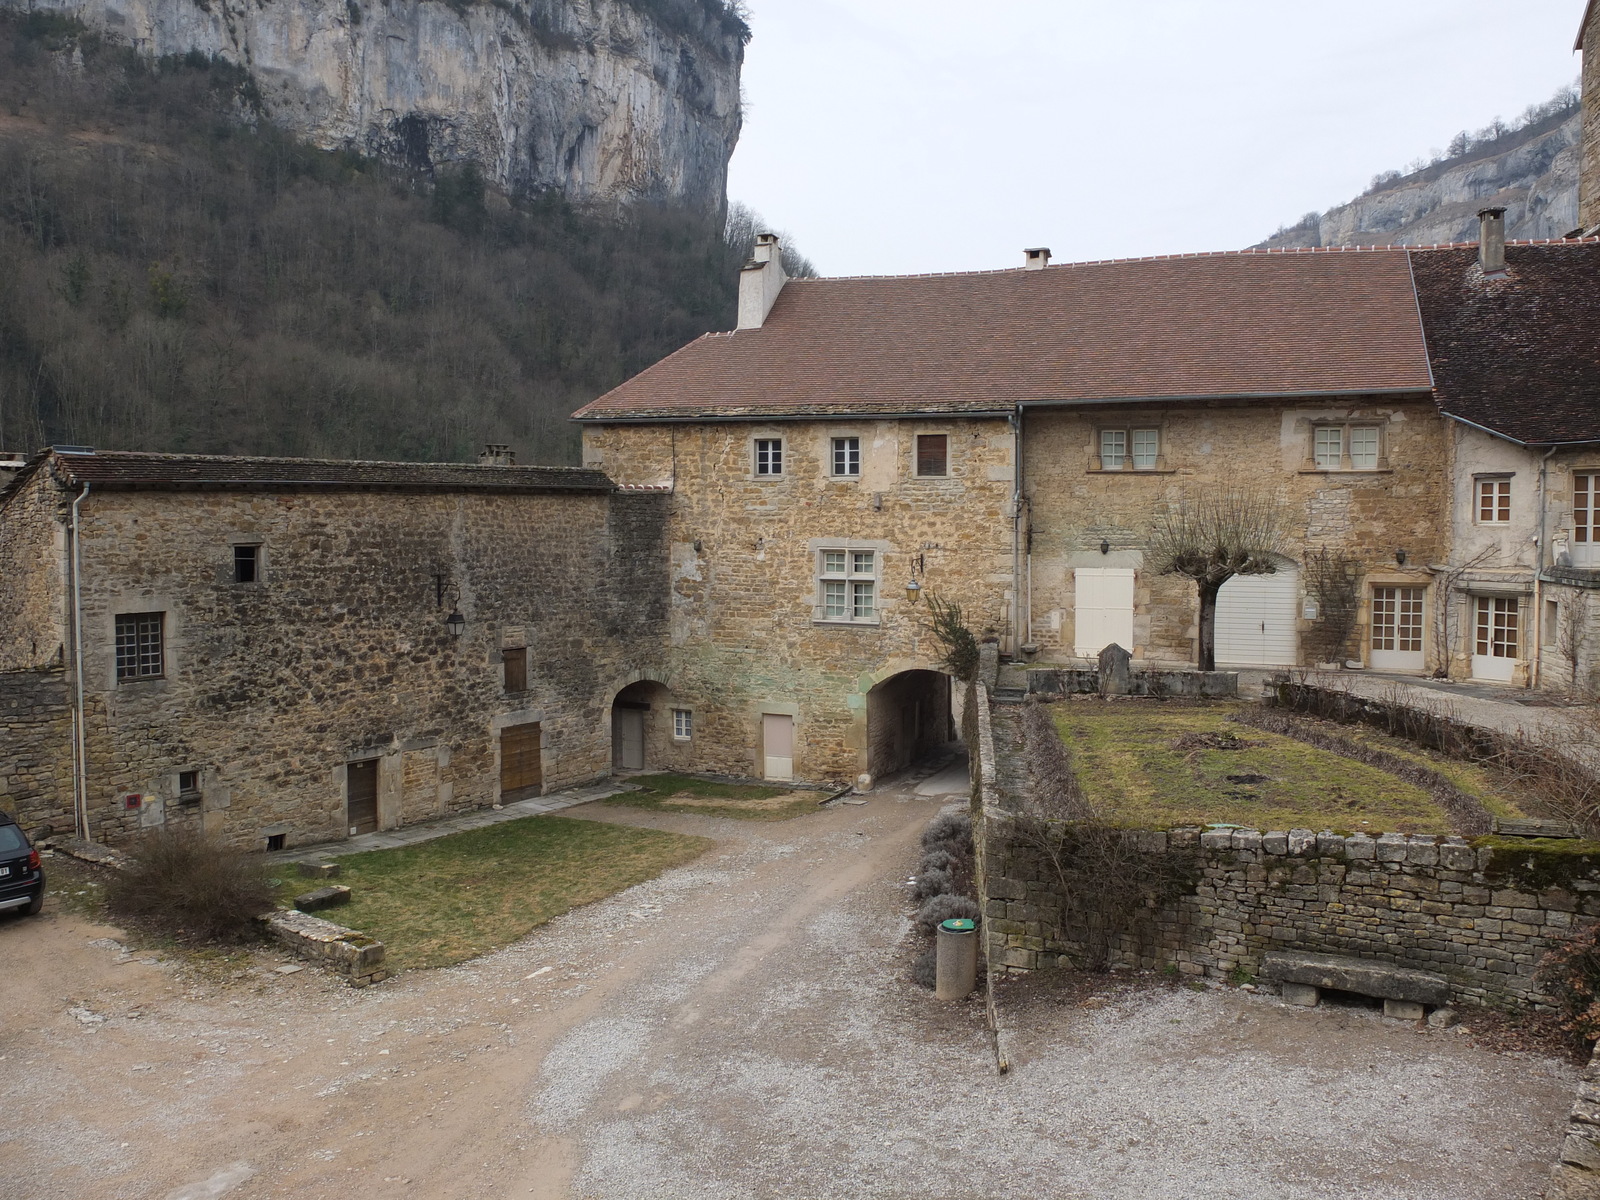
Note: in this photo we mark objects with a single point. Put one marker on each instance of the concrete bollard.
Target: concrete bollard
(956, 959)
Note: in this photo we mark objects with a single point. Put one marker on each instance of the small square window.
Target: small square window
(1364, 447)
(246, 564)
(188, 783)
(141, 646)
(861, 562)
(275, 842)
(1329, 447)
(769, 457)
(682, 724)
(1494, 501)
(847, 456)
(933, 454)
(515, 662)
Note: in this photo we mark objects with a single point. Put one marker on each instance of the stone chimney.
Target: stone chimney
(760, 282)
(1037, 258)
(496, 455)
(1492, 241)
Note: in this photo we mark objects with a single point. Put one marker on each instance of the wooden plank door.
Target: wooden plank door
(361, 797)
(521, 767)
(777, 746)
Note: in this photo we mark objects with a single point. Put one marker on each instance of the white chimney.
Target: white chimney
(760, 282)
(1492, 241)
(1037, 258)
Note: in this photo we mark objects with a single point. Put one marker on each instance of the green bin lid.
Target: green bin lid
(958, 925)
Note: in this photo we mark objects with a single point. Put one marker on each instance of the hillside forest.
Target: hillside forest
(176, 274)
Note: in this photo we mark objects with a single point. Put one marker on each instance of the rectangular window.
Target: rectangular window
(1329, 447)
(516, 669)
(188, 784)
(769, 456)
(848, 588)
(1113, 449)
(682, 724)
(933, 454)
(246, 564)
(1146, 448)
(1550, 630)
(1364, 447)
(1494, 501)
(847, 456)
(1123, 448)
(1586, 509)
(140, 646)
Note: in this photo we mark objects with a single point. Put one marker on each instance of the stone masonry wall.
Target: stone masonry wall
(1074, 506)
(339, 653)
(33, 579)
(36, 748)
(1481, 915)
(745, 633)
(1589, 171)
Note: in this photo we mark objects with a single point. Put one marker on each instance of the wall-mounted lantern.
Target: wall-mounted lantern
(1400, 557)
(913, 591)
(455, 623)
(1105, 546)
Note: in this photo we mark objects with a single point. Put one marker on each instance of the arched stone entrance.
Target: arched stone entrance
(908, 718)
(650, 729)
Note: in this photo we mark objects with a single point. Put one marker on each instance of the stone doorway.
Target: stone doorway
(908, 718)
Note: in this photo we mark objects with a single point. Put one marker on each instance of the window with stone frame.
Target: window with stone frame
(141, 646)
(933, 455)
(1347, 447)
(769, 457)
(1125, 448)
(846, 457)
(1493, 502)
(1586, 518)
(847, 586)
(247, 564)
(682, 724)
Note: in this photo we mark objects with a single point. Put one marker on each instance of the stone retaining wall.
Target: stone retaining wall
(1577, 1175)
(1482, 914)
(1085, 681)
(357, 957)
(36, 748)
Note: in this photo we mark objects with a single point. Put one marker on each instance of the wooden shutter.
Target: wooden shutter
(516, 664)
(521, 770)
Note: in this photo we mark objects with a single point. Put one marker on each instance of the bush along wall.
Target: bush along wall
(1481, 913)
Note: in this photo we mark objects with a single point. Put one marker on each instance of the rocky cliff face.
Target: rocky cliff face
(1535, 180)
(598, 99)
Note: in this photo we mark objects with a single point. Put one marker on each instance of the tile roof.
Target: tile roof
(1235, 324)
(114, 470)
(1520, 354)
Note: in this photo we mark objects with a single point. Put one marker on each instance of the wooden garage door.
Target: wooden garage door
(521, 770)
(1256, 620)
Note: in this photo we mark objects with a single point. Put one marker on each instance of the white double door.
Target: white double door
(1496, 637)
(1256, 620)
(1396, 629)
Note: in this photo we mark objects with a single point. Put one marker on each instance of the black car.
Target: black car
(21, 876)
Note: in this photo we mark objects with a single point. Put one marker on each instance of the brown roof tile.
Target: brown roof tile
(1219, 325)
(1520, 354)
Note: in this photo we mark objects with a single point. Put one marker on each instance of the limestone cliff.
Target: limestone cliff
(598, 99)
(1535, 179)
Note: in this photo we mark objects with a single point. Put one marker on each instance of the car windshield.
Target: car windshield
(11, 839)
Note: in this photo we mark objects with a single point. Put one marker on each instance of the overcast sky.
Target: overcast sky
(896, 136)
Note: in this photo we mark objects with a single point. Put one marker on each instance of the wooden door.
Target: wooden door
(521, 768)
(1103, 609)
(361, 797)
(627, 739)
(777, 746)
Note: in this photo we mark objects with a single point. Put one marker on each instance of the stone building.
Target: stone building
(1589, 169)
(289, 651)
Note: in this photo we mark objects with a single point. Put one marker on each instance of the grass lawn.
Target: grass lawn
(1128, 762)
(687, 794)
(450, 899)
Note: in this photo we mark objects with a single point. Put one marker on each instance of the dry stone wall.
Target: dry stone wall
(36, 748)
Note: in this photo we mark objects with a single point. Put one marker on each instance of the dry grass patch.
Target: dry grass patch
(453, 898)
(669, 792)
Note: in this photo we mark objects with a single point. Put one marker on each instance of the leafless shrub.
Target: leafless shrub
(933, 883)
(1333, 580)
(949, 831)
(188, 884)
(924, 971)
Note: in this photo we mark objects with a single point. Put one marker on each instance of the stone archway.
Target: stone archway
(650, 729)
(908, 718)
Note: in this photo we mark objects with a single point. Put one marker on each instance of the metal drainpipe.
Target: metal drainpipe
(1021, 587)
(1536, 676)
(80, 764)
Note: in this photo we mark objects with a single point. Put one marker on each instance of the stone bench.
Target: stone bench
(1404, 992)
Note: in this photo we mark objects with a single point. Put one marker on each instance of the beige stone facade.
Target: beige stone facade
(1589, 168)
(750, 638)
(1076, 507)
(264, 698)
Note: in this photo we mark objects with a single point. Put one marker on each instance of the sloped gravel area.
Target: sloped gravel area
(740, 1027)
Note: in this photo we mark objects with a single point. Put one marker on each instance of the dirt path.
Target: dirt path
(741, 1027)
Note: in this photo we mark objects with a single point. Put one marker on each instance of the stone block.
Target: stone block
(1302, 841)
(323, 897)
(1302, 994)
(1403, 1010)
(1007, 889)
(1365, 976)
(326, 870)
(1217, 839)
(1247, 839)
(1329, 843)
(1581, 1151)
(1392, 847)
(1457, 857)
(1422, 852)
(1359, 847)
(1276, 842)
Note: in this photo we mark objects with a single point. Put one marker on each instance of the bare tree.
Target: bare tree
(1444, 608)
(1211, 538)
(1569, 641)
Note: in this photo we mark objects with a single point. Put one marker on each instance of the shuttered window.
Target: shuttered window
(516, 669)
(933, 454)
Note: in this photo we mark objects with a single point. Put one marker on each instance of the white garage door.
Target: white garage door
(1102, 609)
(1256, 620)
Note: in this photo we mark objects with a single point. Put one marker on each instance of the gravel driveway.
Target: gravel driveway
(738, 1028)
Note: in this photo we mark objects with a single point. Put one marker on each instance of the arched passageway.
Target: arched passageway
(650, 729)
(908, 718)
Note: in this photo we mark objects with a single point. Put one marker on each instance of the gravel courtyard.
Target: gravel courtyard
(739, 1028)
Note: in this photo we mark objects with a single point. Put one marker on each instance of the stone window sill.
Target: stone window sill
(845, 623)
(1347, 470)
(1132, 470)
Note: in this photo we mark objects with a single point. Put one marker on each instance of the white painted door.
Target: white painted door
(1396, 629)
(777, 746)
(1496, 622)
(1103, 604)
(1256, 617)
(627, 739)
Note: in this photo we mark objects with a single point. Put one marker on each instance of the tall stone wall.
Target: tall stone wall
(1480, 914)
(36, 748)
(1589, 171)
(1075, 507)
(33, 579)
(746, 636)
(340, 653)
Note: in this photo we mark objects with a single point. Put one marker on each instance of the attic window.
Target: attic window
(933, 454)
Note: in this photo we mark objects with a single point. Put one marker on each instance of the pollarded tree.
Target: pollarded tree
(1211, 538)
